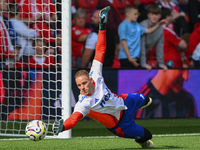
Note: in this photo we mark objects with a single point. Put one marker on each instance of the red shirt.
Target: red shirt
(194, 39)
(77, 46)
(32, 8)
(170, 50)
(4, 44)
(48, 62)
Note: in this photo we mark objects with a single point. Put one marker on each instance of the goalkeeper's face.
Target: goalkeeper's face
(85, 85)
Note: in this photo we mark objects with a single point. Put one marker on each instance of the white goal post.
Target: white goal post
(35, 86)
(66, 64)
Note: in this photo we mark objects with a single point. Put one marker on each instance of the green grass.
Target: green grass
(161, 143)
(94, 129)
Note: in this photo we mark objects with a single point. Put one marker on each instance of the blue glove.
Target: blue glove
(103, 17)
(57, 126)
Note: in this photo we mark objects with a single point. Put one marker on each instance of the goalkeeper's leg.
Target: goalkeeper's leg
(145, 142)
(101, 40)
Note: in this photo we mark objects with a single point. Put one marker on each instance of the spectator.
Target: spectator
(174, 47)
(87, 5)
(24, 36)
(129, 34)
(143, 6)
(196, 57)
(39, 15)
(6, 47)
(79, 35)
(194, 13)
(50, 51)
(178, 20)
(149, 40)
(90, 45)
(40, 60)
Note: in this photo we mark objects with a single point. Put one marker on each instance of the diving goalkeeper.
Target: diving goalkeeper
(98, 102)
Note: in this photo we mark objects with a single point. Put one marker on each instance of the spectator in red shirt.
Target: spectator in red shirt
(79, 35)
(174, 46)
(40, 60)
(178, 21)
(39, 15)
(6, 48)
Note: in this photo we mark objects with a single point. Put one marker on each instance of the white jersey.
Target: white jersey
(103, 102)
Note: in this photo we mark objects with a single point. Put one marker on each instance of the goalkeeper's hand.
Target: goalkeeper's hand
(57, 126)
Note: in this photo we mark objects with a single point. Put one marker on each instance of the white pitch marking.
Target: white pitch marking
(101, 137)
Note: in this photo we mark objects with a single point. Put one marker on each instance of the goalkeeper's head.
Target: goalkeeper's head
(84, 82)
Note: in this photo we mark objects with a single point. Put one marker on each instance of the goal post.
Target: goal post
(35, 85)
(66, 64)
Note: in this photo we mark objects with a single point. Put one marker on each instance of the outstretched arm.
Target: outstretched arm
(69, 123)
(101, 40)
(152, 29)
(72, 120)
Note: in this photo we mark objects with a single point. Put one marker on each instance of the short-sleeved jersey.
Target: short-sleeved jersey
(103, 105)
(170, 48)
(131, 32)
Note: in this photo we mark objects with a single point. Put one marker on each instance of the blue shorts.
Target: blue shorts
(127, 126)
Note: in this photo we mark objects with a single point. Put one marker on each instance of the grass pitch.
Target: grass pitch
(174, 134)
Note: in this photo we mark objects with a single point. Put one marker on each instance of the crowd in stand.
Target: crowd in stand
(140, 33)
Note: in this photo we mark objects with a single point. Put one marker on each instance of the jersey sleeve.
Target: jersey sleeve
(72, 120)
(83, 105)
(122, 31)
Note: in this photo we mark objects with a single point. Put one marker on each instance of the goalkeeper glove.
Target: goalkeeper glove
(58, 126)
(103, 17)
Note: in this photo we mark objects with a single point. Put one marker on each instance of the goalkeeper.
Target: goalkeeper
(98, 102)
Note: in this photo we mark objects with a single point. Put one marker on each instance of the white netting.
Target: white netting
(30, 62)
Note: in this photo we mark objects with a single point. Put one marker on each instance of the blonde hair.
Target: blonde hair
(81, 73)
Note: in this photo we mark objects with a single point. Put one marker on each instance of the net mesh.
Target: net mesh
(30, 63)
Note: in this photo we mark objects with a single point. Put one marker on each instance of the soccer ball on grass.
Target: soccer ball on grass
(36, 130)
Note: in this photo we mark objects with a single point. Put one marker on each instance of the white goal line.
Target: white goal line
(101, 137)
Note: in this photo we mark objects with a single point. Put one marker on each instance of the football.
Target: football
(36, 130)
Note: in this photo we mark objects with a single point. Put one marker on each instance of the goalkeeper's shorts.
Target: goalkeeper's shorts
(127, 126)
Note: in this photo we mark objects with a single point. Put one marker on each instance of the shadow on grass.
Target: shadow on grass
(165, 147)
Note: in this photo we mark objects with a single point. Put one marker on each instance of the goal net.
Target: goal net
(33, 68)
